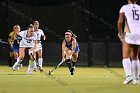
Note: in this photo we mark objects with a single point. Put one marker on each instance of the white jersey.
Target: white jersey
(132, 14)
(27, 42)
(39, 33)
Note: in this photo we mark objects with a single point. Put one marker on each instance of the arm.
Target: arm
(120, 25)
(35, 44)
(11, 40)
(43, 35)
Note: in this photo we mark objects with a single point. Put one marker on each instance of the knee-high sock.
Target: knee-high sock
(135, 69)
(73, 64)
(31, 63)
(35, 66)
(69, 63)
(40, 62)
(19, 60)
(17, 63)
(127, 67)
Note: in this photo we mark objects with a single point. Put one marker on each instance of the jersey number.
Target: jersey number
(29, 41)
(135, 14)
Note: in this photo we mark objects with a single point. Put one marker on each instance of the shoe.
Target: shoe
(21, 66)
(29, 72)
(135, 81)
(40, 69)
(15, 66)
(128, 80)
(35, 69)
(72, 70)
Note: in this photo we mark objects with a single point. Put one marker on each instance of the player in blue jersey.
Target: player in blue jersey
(70, 50)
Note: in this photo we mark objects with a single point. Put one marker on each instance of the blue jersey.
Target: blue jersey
(16, 43)
(69, 46)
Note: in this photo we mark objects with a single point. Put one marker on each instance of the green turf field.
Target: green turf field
(86, 80)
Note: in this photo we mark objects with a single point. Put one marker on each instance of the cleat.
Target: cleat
(72, 73)
(128, 80)
(72, 70)
(40, 69)
(15, 66)
(29, 72)
(35, 69)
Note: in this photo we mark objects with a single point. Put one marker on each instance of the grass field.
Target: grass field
(86, 80)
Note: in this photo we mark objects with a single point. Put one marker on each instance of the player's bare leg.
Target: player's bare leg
(68, 58)
(31, 62)
(127, 62)
(19, 59)
(35, 63)
(74, 60)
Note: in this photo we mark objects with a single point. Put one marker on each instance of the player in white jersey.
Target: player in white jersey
(28, 41)
(40, 35)
(131, 14)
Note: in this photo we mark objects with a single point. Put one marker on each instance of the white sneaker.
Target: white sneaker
(135, 82)
(15, 66)
(21, 66)
(128, 80)
(29, 72)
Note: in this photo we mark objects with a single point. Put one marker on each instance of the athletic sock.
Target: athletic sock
(17, 63)
(73, 63)
(30, 65)
(135, 69)
(40, 61)
(127, 67)
(69, 65)
(19, 60)
(35, 66)
(31, 62)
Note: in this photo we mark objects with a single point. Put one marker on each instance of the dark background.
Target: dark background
(93, 21)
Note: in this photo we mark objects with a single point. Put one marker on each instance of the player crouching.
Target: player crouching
(70, 50)
(29, 41)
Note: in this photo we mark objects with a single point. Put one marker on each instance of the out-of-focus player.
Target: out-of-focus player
(29, 41)
(16, 40)
(40, 35)
(131, 14)
(70, 50)
(10, 40)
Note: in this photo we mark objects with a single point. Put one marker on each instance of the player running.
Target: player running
(10, 41)
(29, 41)
(70, 50)
(40, 35)
(16, 39)
(131, 14)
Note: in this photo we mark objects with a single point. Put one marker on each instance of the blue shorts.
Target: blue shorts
(77, 49)
(15, 48)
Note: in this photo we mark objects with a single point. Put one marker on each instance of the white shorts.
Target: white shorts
(26, 45)
(38, 48)
(132, 38)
